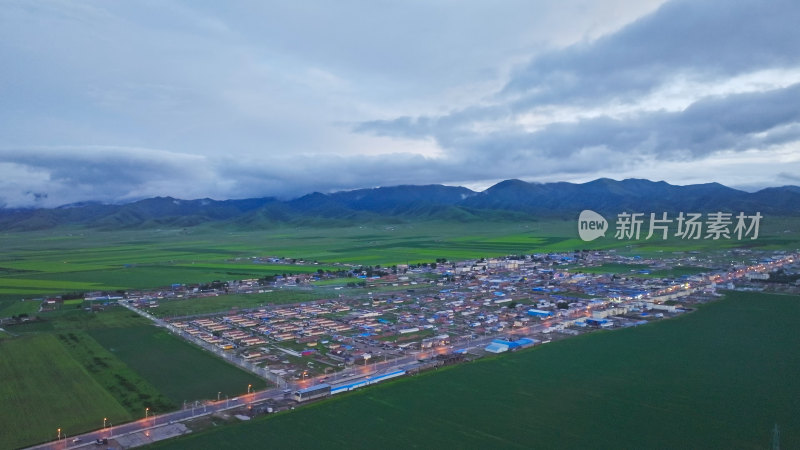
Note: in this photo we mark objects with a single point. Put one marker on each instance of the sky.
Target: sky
(115, 101)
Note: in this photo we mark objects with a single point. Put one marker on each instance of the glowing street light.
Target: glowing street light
(104, 422)
(59, 433)
(146, 412)
(249, 388)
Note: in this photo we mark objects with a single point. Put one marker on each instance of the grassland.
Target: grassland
(121, 336)
(75, 260)
(14, 308)
(180, 371)
(120, 363)
(44, 388)
(183, 307)
(721, 377)
(128, 387)
(641, 270)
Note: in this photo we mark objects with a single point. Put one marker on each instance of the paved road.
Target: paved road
(155, 420)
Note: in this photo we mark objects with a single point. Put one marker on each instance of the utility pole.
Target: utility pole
(776, 438)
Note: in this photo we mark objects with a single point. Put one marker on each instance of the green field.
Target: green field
(121, 336)
(193, 306)
(44, 388)
(66, 260)
(632, 270)
(720, 377)
(130, 389)
(109, 364)
(180, 371)
(14, 308)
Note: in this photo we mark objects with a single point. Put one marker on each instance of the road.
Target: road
(155, 420)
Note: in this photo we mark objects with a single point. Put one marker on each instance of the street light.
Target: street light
(218, 394)
(146, 412)
(249, 387)
(104, 422)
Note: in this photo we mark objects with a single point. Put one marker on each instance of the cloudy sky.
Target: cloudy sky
(120, 100)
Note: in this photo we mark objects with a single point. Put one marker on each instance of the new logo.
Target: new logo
(591, 225)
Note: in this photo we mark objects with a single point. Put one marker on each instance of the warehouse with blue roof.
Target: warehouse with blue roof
(539, 313)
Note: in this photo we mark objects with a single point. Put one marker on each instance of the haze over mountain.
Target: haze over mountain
(507, 200)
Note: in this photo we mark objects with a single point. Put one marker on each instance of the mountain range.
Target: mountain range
(507, 200)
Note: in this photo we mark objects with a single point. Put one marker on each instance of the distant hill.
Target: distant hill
(606, 195)
(507, 200)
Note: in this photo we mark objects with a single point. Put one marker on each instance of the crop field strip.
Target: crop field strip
(120, 363)
(180, 370)
(131, 390)
(44, 388)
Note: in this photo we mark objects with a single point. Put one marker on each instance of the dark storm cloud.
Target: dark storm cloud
(706, 43)
(56, 176)
(101, 165)
(109, 174)
(702, 39)
(52, 177)
(738, 122)
(735, 122)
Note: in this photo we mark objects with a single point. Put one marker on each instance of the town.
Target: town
(447, 307)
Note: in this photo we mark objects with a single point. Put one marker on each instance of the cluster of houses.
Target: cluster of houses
(423, 306)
